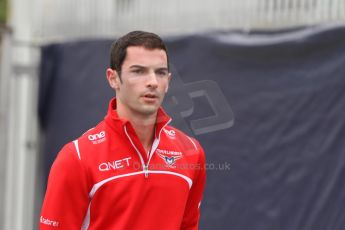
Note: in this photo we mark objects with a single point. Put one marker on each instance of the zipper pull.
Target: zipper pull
(146, 171)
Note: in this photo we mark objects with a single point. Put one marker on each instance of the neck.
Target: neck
(144, 125)
(145, 132)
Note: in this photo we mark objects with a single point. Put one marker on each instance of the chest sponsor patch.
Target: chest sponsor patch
(170, 133)
(170, 157)
(114, 165)
(97, 138)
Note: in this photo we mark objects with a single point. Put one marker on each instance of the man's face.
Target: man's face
(144, 80)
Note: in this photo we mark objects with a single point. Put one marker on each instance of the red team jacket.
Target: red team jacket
(105, 180)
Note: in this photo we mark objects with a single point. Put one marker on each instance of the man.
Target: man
(132, 171)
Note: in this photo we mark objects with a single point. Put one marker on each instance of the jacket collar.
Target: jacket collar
(115, 121)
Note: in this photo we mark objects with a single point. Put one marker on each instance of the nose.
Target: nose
(152, 81)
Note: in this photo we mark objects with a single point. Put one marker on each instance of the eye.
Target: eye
(138, 71)
(162, 73)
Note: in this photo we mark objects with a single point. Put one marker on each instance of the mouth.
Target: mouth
(150, 96)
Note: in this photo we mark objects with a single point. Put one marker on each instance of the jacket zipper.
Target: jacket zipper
(154, 147)
(146, 171)
(145, 166)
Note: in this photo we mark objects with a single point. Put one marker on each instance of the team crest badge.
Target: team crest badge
(170, 160)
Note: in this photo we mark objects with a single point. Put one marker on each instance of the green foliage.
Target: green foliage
(3, 11)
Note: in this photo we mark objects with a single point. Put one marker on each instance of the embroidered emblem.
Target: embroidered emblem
(170, 160)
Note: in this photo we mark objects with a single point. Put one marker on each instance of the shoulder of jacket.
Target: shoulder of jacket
(182, 138)
(68, 153)
(97, 132)
(89, 140)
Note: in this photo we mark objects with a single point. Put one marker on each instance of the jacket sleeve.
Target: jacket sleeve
(66, 200)
(192, 211)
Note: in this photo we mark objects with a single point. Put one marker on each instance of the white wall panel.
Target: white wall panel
(71, 19)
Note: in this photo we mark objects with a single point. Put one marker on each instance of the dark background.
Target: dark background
(272, 105)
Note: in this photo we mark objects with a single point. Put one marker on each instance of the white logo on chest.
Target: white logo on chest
(114, 165)
(170, 133)
(97, 138)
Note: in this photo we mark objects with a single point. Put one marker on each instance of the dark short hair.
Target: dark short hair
(148, 40)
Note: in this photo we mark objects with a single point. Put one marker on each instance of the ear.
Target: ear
(113, 78)
(167, 86)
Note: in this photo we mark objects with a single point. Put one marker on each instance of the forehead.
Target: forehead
(138, 55)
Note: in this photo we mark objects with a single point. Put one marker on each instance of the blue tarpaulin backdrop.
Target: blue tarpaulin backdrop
(269, 104)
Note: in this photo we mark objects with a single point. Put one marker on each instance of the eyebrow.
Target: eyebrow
(136, 66)
(144, 67)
